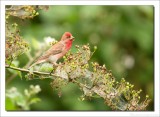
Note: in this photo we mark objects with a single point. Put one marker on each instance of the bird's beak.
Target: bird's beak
(72, 38)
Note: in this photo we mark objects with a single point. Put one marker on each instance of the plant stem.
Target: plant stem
(26, 70)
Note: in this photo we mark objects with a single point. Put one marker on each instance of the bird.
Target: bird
(57, 51)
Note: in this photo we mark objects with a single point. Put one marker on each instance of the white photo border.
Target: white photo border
(156, 112)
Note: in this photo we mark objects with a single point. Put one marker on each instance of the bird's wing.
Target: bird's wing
(55, 49)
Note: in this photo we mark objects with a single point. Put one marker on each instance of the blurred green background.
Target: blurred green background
(124, 36)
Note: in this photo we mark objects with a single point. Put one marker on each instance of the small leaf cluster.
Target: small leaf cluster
(21, 11)
(16, 100)
(14, 43)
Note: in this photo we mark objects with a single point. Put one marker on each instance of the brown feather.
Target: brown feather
(55, 49)
(59, 49)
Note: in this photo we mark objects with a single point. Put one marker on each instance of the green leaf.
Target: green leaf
(34, 100)
(46, 67)
(9, 104)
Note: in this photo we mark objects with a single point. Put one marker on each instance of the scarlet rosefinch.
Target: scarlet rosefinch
(56, 51)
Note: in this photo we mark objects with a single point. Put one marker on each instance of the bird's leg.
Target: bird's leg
(51, 72)
(60, 64)
(55, 65)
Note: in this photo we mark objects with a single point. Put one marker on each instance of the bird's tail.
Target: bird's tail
(38, 62)
(32, 65)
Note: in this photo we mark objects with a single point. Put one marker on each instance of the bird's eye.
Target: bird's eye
(68, 36)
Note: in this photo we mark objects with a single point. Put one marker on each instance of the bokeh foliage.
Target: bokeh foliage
(16, 100)
(123, 35)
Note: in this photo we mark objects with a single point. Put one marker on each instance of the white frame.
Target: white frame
(107, 113)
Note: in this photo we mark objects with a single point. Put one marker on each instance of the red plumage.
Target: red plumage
(56, 51)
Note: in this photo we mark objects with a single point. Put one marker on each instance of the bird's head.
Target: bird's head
(66, 36)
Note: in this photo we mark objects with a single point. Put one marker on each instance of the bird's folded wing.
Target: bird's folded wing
(55, 49)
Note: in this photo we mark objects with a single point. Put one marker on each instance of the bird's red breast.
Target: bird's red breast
(69, 44)
(58, 50)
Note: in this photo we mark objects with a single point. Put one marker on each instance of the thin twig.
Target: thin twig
(26, 70)
(42, 73)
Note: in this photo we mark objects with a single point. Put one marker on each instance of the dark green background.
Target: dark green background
(124, 36)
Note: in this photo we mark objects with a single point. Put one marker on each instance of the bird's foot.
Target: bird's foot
(51, 72)
(56, 65)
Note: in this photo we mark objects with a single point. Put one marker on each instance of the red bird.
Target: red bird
(56, 51)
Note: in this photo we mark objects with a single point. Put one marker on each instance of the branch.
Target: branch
(93, 80)
(26, 70)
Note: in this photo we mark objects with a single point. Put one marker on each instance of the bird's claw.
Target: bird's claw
(51, 72)
(56, 65)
